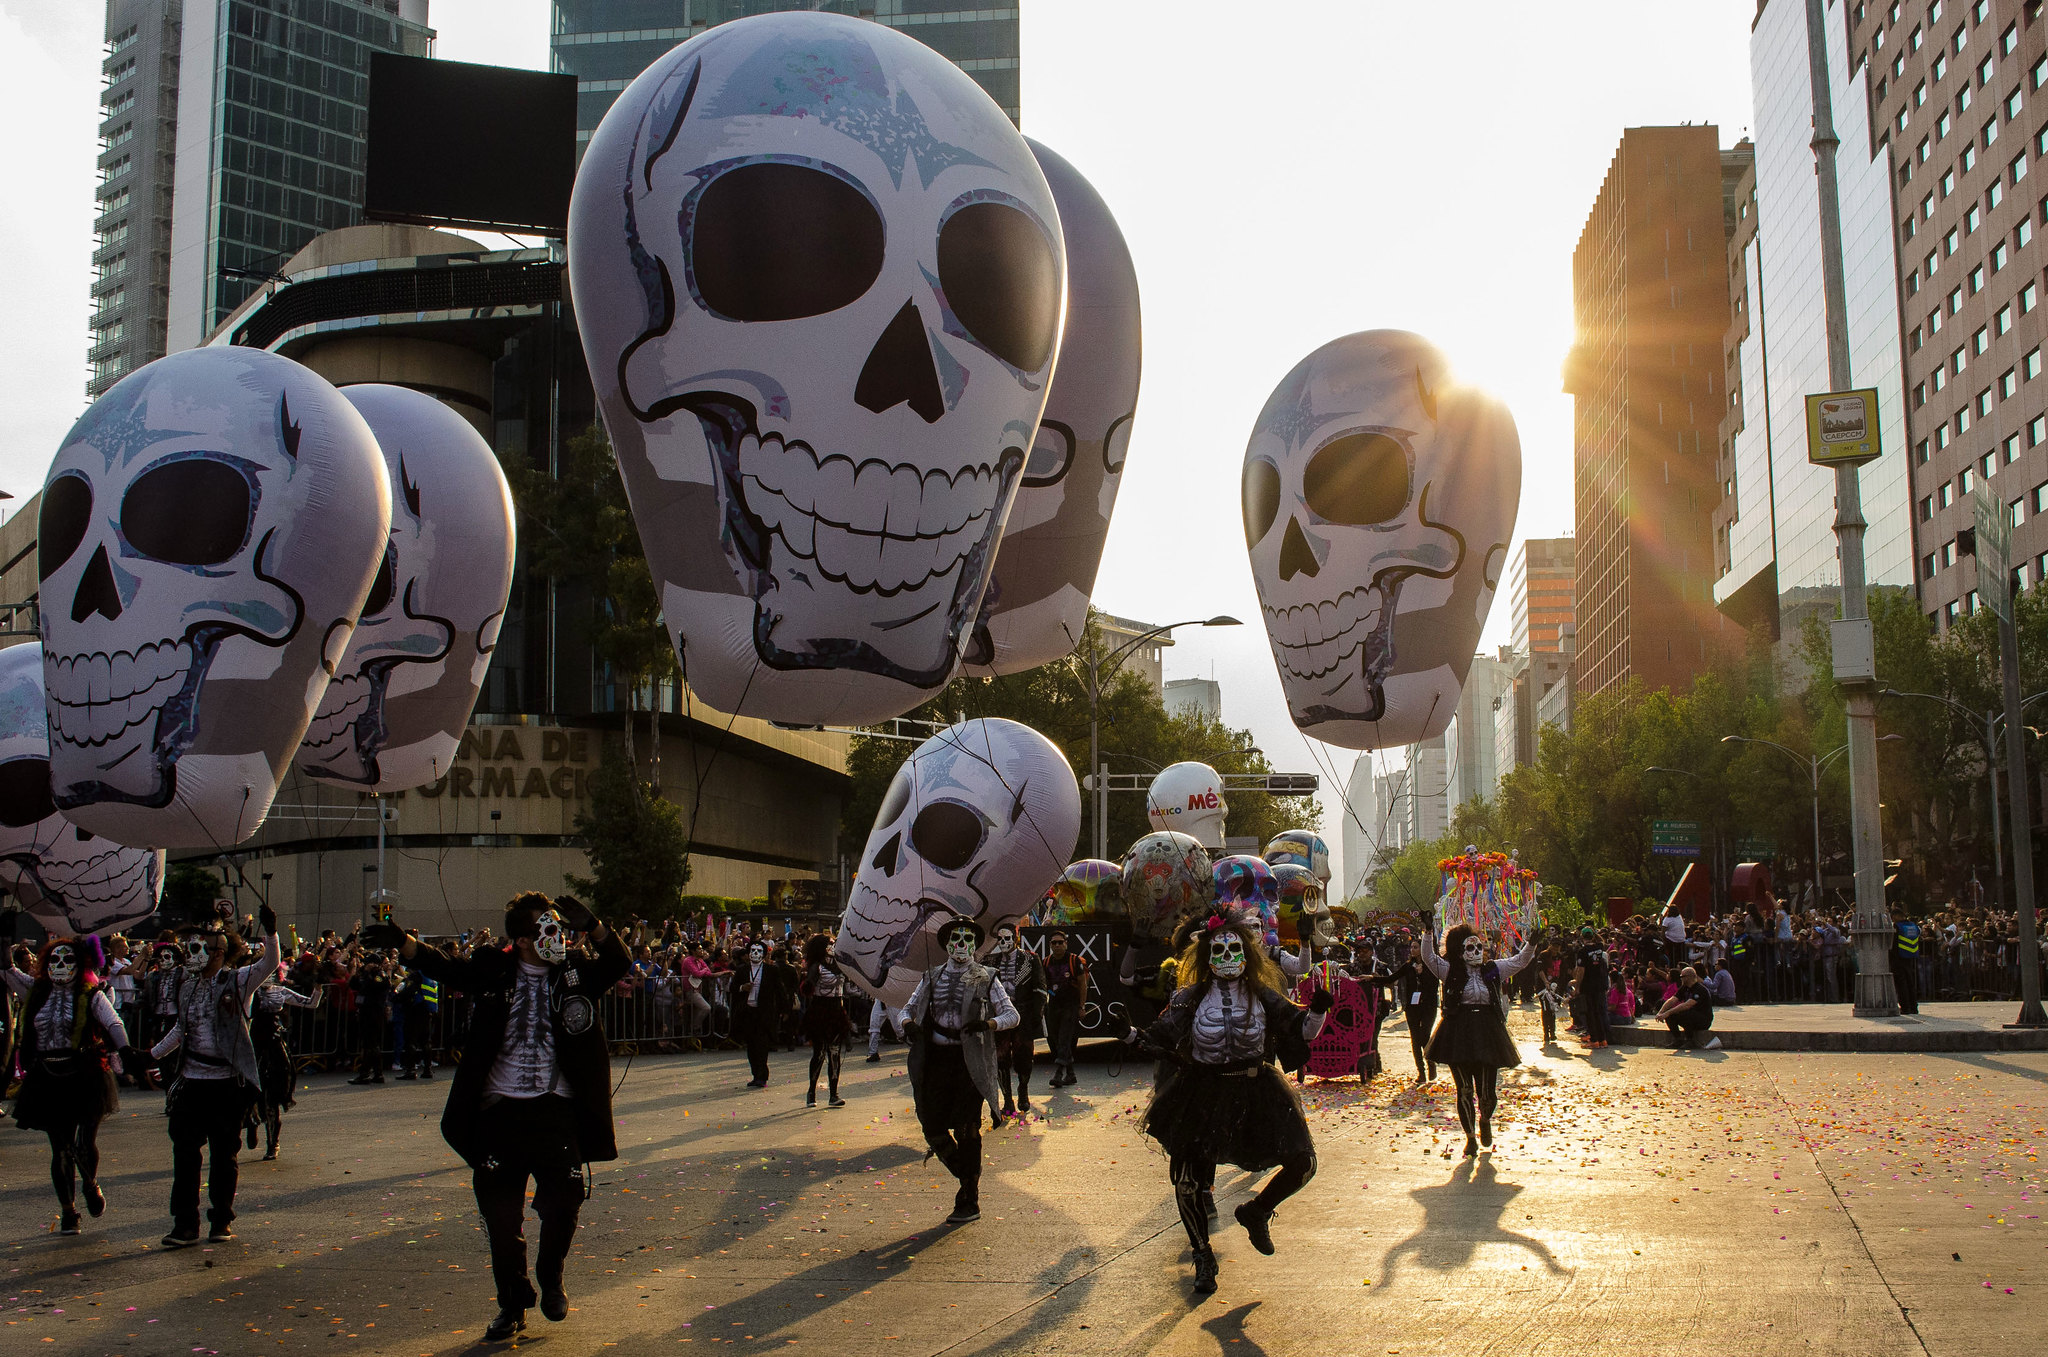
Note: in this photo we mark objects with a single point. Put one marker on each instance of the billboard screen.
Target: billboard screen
(461, 145)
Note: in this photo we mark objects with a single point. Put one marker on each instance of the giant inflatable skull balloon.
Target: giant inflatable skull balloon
(1167, 877)
(979, 821)
(70, 881)
(1300, 848)
(1187, 798)
(209, 532)
(401, 697)
(818, 275)
(1037, 602)
(1379, 497)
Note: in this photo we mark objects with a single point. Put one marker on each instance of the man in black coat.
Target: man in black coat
(532, 1095)
(761, 994)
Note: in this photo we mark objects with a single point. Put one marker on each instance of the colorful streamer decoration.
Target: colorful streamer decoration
(1489, 891)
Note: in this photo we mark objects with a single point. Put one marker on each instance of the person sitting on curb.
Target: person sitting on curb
(1689, 1013)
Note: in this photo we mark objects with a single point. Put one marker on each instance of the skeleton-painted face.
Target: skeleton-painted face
(1378, 504)
(1036, 607)
(71, 881)
(402, 695)
(1475, 951)
(820, 278)
(1226, 956)
(757, 954)
(551, 943)
(1187, 798)
(198, 950)
(208, 533)
(1006, 939)
(63, 963)
(960, 945)
(978, 822)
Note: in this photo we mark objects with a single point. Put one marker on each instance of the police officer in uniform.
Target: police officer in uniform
(1906, 962)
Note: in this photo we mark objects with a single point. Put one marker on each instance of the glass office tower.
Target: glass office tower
(606, 43)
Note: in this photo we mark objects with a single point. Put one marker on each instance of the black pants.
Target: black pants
(1687, 1030)
(74, 1154)
(1906, 980)
(1549, 1026)
(529, 1138)
(206, 1114)
(370, 1046)
(1595, 1017)
(419, 1051)
(1478, 1091)
(1062, 1028)
(1420, 1021)
(825, 1057)
(760, 1040)
(1194, 1178)
(1016, 1049)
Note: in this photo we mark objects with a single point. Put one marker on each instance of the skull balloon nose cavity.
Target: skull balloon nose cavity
(97, 592)
(1296, 556)
(885, 856)
(899, 370)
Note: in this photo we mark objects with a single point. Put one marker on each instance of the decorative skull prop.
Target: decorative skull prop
(209, 532)
(1378, 503)
(402, 695)
(1245, 882)
(550, 939)
(978, 822)
(70, 880)
(63, 963)
(1187, 798)
(1089, 890)
(1300, 848)
(819, 277)
(1036, 607)
(1166, 876)
(1226, 955)
(1301, 909)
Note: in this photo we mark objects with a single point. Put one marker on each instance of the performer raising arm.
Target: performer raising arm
(1472, 1035)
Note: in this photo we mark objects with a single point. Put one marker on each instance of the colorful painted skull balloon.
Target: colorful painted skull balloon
(402, 695)
(209, 532)
(978, 822)
(1302, 906)
(1379, 498)
(818, 274)
(1089, 891)
(1036, 607)
(70, 880)
(1166, 875)
(1300, 848)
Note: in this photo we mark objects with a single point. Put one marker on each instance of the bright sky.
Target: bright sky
(1324, 167)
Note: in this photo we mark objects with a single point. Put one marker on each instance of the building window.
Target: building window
(1942, 124)
(2027, 296)
(1963, 99)
(1994, 195)
(2040, 497)
(1981, 340)
(1905, 230)
(2037, 429)
(2040, 72)
(2011, 448)
(1971, 219)
(1927, 510)
(1949, 242)
(1940, 380)
(1927, 207)
(1955, 300)
(1989, 464)
(1920, 452)
(2002, 322)
(1977, 283)
(1927, 566)
(1969, 161)
(2018, 169)
(1913, 340)
(1945, 495)
(1983, 409)
(1913, 283)
(1990, 132)
(2012, 106)
(1965, 481)
(1934, 321)
(1948, 183)
(2008, 40)
(1997, 254)
(1921, 152)
(1920, 94)
(1963, 427)
(2008, 382)
(2031, 364)
(1984, 72)
(1940, 68)
(1980, 11)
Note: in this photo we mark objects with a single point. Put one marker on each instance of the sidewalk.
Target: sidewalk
(1835, 1027)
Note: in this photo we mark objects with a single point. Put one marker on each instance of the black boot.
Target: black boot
(95, 1200)
(1255, 1224)
(1205, 1271)
(508, 1324)
(67, 1221)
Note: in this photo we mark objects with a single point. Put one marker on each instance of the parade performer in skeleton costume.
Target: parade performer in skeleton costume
(825, 1020)
(1023, 978)
(1472, 1033)
(68, 1029)
(951, 1021)
(273, 1059)
(1219, 1098)
(217, 1076)
(532, 1096)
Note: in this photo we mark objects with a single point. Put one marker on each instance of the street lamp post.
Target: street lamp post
(1813, 763)
(1989, 720)
(1099, 665)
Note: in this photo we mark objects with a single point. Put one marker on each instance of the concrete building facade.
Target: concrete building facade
(1540, 593)
(1362, 834)
(1195, 695)
(1650, 307)
(1471, 767)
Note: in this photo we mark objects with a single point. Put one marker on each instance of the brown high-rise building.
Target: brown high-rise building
(1650, 306)
(1956, 105)
(1540, 592)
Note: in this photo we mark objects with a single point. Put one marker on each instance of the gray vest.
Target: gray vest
(230, 1021)
(977, 1049)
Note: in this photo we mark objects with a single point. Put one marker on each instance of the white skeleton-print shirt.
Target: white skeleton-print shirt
(949, 994)
(1475, 982)
(525, 1067)
(55, 1018)
(199, 1031)
(274, 997)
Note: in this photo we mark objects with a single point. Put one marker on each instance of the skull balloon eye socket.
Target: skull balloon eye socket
(1052, 452)
(1261, 500)
(1357, 479)
(777, 241)
(381, 587)
(192, 511)
(25, 792)
(66, 515)
(1002, 282)
(946, 834)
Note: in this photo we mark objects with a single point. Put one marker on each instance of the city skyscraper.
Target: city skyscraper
(1650, 306)
(606, 43)
(232, 134)
(1359, 839)
(1540, 593)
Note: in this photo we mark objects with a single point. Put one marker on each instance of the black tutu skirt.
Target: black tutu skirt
(825, 1020)
(1473, 1034)
(1253, 1121)
(274, 1070)
(60, 1092)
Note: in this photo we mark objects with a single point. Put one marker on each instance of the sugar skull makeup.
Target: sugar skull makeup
(960, 944)
(63, 964)
(1475, 951)
(551, 941)
(1226, 956)
(757, 954)
(1005, 939)
(197, 952)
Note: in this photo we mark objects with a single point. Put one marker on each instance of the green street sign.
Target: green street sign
(1676, 838)
(1755, 850)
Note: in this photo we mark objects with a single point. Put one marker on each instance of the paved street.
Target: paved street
(1638, 1201)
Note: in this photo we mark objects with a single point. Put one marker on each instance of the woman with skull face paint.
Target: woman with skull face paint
(531, 1097)
(825, 1020)
(1023, 979)
(68, 1027)
(1472, 1034)
(1219, 1098)
(274, 1059)
(951, 1020)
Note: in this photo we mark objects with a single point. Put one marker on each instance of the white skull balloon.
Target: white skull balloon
(1036, 607)
(402, 695)
(209, 531)
(979, 822)
(1379, 498)
(1187, 798)
(818, 275)
(70, 881)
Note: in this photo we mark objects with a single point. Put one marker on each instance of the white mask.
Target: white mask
(1005, 940)
(1475, 951)
(551, 943)
(757, 954)
(960, 946)
(63, 965)
(196, 954)
(1226, 956)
